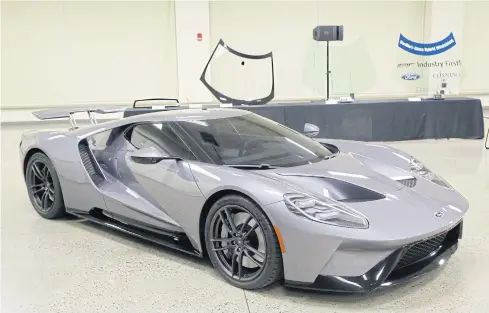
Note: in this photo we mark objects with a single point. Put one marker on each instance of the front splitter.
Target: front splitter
(382, 276)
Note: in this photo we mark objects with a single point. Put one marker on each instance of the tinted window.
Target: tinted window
(162, 137)
(252, 139)
(100, 141)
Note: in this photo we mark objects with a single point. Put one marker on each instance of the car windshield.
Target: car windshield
(252, 79)
(251, 140)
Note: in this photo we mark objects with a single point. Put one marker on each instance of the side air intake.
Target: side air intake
(90, 164)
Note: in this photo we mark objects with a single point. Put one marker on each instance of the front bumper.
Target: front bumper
(388, 272)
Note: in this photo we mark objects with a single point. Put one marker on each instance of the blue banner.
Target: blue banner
(426, 48)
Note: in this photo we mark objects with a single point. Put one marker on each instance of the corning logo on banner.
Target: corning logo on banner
(427, 48)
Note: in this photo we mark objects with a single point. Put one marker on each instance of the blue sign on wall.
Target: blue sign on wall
(426, 48)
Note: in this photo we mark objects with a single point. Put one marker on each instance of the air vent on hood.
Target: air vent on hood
(333, 188)
(408, 182)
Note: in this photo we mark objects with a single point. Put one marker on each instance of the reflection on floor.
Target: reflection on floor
(72, 266)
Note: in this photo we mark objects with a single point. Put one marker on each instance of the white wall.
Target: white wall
(72, 52)
(366, 61)
(441, 18)
(475, 74)
(192, 18)
(82, 52)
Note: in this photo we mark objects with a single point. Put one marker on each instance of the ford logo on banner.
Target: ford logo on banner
(427, 48)
(410, 76)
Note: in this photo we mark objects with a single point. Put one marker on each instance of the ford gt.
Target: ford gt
(263, 202)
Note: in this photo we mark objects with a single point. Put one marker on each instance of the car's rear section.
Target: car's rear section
(70, 156)
(83, 159)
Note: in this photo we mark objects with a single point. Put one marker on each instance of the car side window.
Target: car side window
(162, 137)
(100, 141)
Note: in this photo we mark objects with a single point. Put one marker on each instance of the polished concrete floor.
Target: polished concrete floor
(72, 266)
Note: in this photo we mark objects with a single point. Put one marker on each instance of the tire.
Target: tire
(43, 187)
(259, 247)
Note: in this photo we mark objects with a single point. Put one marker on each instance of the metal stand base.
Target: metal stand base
(487, 139)
(327, 70)
(487, 135)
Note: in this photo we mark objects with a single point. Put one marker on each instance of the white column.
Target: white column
(443, 17)
(192, 17)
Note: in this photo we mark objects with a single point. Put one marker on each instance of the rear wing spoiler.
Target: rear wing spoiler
(69, 112)
(177, 103)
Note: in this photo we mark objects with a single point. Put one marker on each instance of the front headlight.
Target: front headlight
(324, 211)
(418, 168)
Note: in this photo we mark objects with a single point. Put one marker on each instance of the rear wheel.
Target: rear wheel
(242, 243)
(43, 187)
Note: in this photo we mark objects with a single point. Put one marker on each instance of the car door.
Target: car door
(167, 187)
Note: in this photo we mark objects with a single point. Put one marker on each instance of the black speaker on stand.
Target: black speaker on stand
(327, 33)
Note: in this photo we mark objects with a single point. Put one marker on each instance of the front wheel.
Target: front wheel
(242, 244)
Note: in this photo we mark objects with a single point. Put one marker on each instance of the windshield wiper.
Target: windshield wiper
(253, 166)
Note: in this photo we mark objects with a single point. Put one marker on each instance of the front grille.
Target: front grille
(421, 250)
(90, 164)
(409, 182)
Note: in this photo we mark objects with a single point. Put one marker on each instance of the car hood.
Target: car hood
(343, 167)
(387, 203)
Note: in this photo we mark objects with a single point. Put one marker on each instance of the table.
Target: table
(380, 120)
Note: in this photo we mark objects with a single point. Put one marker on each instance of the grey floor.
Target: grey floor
(72, 266)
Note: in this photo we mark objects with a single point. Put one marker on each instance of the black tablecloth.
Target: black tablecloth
(384, 120)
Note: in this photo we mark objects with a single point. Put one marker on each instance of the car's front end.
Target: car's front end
(349, 216)
(359, 260)
(352, 227)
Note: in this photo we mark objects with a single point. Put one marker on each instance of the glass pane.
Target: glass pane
(253, 140)
(162, 137)
(248, 79)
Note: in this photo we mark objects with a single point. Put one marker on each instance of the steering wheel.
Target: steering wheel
(248, 143)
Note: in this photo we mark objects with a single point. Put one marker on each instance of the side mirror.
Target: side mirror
(311, 130)
(149, 155)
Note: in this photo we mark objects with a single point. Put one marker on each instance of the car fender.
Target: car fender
(62, 149)
(262, 189)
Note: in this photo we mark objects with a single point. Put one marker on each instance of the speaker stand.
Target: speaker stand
(327, 70)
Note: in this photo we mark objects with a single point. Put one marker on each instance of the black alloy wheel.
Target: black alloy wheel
(242, 243)
(43, 187)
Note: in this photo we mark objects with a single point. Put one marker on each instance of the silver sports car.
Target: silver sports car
(264, 202)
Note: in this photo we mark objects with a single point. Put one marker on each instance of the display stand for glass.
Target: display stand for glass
(327, 33)
(487, 136)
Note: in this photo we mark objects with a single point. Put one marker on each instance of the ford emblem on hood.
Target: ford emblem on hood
(410, 76)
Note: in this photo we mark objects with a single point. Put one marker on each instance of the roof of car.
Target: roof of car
(170, 115)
